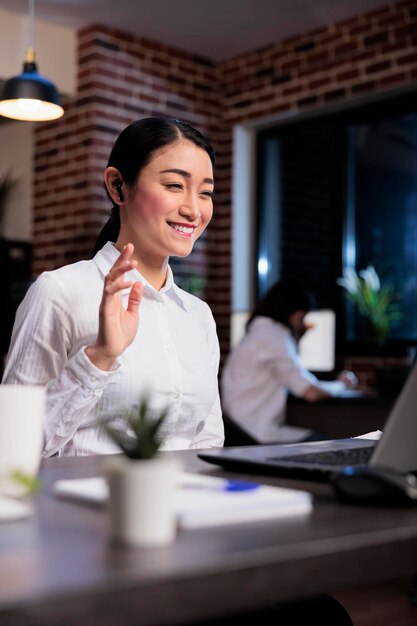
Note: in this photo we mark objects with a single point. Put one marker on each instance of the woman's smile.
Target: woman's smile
(184, 230)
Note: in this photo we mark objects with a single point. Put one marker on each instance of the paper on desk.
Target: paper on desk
(375, 434)
(11, 510)
(202, 500)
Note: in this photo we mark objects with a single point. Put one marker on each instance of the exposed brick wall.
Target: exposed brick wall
(122, 78)
(373, 52)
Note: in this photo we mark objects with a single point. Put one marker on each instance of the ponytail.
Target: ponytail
(110, 230)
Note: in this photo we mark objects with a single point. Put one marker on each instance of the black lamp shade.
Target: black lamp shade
(30, 96)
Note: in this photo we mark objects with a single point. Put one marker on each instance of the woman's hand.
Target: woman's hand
(349, 379)
(117, 325)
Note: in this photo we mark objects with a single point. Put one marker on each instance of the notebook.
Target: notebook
(396, 449)
(205, 500)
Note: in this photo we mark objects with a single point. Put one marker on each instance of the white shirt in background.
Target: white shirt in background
(257, 377)
(174, 358)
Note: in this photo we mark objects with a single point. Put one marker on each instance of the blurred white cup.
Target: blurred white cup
(22, 413)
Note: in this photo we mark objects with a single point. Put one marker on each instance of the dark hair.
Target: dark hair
(282, 299)
(133, 150)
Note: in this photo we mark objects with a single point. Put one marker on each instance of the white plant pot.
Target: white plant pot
(142, 504)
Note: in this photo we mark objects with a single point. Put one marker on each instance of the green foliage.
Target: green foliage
(194, 284)
(30, 483)
(373, 301)
(145, 440)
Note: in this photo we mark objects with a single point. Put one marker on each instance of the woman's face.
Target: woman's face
(170, 204)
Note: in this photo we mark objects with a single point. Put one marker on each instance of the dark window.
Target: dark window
(381, 227)
(342, 189)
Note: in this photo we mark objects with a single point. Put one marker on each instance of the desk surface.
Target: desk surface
(59, 567)
(341, 416)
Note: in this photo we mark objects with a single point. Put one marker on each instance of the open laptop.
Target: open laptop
(396, 449)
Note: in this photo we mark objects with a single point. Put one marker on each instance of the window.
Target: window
(381, 213)
(342, 189)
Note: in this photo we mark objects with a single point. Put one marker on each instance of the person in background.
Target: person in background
(264, 367)
(78, 330)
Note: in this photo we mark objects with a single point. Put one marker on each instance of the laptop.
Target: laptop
(396, 449)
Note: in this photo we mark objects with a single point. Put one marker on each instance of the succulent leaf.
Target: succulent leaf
(145, 440)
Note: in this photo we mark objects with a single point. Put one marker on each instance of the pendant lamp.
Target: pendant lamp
(29, 96)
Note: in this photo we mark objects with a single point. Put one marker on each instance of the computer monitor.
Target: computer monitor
(238, 327)
(317, 346)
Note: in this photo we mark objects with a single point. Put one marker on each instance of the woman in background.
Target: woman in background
(264, 367)
(78, 330)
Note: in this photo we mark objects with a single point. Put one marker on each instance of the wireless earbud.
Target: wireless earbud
(119, 191)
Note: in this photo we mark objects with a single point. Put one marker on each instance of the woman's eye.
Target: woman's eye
(208, 194)
(174, 186)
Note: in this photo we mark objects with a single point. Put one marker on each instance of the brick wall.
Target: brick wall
(122, 78)
(373, 52)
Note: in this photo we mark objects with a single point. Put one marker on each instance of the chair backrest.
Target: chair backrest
(234, 435)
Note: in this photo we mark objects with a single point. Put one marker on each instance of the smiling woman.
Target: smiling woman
(88, 345)
(167, 208)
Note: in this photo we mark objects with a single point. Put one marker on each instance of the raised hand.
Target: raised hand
(117, 325)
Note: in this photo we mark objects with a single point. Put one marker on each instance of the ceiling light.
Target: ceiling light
(29, 96)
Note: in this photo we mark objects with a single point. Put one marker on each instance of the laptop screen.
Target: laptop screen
(317, 346)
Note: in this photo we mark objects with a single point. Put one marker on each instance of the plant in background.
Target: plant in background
(372, 300)
(193, 283)
(144, 440)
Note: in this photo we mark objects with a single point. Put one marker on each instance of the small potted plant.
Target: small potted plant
(142, 482)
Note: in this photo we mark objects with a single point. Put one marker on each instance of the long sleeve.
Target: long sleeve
(41, 353)
(173, 360)
(256, 378)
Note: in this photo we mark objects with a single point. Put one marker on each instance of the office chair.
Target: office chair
(234, 435)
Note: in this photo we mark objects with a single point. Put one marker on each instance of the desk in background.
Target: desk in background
(340, 417)
(60, 568)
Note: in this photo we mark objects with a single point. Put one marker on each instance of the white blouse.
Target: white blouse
(173, 360)
(256, 379)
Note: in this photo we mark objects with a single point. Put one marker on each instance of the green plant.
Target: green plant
(30, 483)
(373, 301)
(194, 284)
(144, 440)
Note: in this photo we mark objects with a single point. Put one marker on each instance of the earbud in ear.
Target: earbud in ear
(119, 191)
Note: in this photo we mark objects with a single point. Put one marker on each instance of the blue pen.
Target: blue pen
(211, 483)
(239, 485)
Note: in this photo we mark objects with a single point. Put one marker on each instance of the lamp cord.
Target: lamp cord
(32, 24)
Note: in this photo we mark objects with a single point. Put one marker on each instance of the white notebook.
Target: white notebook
(207, 501)
(11, 509)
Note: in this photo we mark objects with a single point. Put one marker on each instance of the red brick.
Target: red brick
(123, 77)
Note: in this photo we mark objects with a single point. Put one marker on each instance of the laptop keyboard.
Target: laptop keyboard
(348, 456)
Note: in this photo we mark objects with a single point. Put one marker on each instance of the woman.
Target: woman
(265, 366)
(78, 329)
